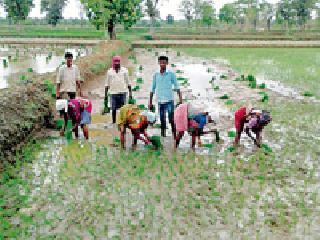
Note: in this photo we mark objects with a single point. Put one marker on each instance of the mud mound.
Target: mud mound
(27, 106)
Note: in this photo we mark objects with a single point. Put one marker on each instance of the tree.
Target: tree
(111, 12)
(18, 10)
(152, 10)
(186, 8)
(207, 13)
(267, 13)
(228, 13)
(53, 9)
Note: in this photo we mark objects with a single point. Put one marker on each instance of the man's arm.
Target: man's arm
(106, 90)
(153, 89)
(78, 81)
(58, 81)
(127, 81)
(176, 87)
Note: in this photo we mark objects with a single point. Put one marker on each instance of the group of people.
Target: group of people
(182, 117)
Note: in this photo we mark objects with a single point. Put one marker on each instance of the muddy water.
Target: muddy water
(39, 59)
(72, 204)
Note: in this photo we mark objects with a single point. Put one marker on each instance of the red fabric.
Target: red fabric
(74, 109)
(181, 118)
(114, 60)
(239, 118)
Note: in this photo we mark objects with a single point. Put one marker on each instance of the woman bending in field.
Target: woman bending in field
(252, 122)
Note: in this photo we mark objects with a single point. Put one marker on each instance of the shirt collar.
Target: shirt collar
(164, 72)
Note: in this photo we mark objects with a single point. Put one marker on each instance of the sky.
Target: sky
(72, 9)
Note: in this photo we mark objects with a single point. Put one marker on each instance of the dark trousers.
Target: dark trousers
(169, 109)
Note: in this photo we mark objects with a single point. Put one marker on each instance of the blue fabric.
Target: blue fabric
(163, 86)
(201, 120)
(85, 118)
(163, 108)
(118, 100)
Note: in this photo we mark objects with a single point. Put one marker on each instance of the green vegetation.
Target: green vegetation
(43, 32)
(295, 67)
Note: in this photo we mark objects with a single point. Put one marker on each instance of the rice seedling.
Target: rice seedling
(139, 80)
(179, 71)
(216, 88)
(132, 101)
(225, 96)
(229, 102)
(136, 88)
(30, 70)
(262, 86)
(308, 94)
(5, 63)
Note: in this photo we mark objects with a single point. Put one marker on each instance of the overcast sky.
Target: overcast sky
(166, 7)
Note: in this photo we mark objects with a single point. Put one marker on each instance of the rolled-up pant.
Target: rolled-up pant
(166, 108)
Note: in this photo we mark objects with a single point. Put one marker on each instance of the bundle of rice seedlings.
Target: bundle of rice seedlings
(156, 141)
(231, 134)
(225, 96)
(139, 80)
(132, 101)
(262, 86)
(308, 94)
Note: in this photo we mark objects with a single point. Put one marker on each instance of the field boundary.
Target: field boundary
(49, 41)
(224, 43)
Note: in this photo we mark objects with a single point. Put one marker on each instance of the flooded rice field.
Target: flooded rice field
(19, 59)
(92, 190)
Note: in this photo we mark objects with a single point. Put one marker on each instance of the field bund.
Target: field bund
(225, 43)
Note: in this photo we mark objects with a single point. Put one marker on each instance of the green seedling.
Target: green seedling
(157, 125)
(179, 71)
(69, 124)
(148, 37)
(116, 141)
(30, 70)
(266, 148)
(229, 102)
(209, 145)
(156, 141)
(225, 96)
(139, 80)
(264, 97)
(181, 79)
(59, 123)
(231, 134)
(251, 78)
(142, 107)
(136, 88)
(68, 135)
(262, 86)
(308, 94)
(231, 149)
(216, 88)
(173, 65)
(253, 84)
(223, 77)
(23, 78)
(140, 68)
(132, 101)
(5, 63)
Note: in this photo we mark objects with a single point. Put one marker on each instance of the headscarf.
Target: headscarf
(114, 60)
(151, 116)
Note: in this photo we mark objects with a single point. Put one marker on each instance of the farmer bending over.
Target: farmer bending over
(130, 116)
(68, 82)
(164, 83)
(117, 83)
(187, 119)
(253, 121)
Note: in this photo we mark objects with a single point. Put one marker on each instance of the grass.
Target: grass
(48, 32)
(294, 67)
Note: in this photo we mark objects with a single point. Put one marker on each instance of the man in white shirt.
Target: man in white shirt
(68, 81)
(117, 84)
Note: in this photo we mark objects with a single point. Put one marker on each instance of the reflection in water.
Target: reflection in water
(39, 62)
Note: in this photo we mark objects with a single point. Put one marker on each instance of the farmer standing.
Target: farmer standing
(117, 83)
(68, 82)
(164, 84)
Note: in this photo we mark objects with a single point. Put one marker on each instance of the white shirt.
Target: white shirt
(67, 77)
(117, 82)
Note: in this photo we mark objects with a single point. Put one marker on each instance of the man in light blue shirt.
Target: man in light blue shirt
(164, 84)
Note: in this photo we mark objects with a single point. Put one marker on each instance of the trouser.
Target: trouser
(169, 109)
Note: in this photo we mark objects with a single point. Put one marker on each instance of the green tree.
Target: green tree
(18, 10)
(228, 13)
(102, 13)
(187, 8)
(207, 13)
(53, 9)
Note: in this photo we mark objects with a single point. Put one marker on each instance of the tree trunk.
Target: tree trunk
(111, 30)
(152, 25)
(269, 24)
